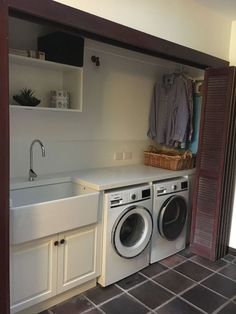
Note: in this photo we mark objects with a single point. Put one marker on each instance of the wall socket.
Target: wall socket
(127, 155)
(123, 156)
(118, 156)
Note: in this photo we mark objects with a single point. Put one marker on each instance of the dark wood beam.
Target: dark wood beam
(4, 161)
(98, 28)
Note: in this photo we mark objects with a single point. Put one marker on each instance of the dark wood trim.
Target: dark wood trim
(88, 25)
(98, 28)
(4, 161)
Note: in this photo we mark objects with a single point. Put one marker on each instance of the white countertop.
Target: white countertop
(105, 178)
(114, 177)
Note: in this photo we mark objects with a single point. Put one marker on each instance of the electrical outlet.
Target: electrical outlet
(127, 155)
(118, 156)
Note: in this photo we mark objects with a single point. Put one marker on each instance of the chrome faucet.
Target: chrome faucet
(32, 174)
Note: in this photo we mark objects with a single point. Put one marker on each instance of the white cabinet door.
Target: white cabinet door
(77, 257)
(33, 272)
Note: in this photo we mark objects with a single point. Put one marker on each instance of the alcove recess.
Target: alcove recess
(42, 76)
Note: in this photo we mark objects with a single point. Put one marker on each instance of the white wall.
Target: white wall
(186, 22)
(232, 49)
(115, 113)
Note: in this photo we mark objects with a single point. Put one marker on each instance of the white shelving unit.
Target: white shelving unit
(43, 76)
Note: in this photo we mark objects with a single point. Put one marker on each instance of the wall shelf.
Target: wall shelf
(42, 76)
(18, 107)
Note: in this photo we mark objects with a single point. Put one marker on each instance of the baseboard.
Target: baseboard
(231, 251)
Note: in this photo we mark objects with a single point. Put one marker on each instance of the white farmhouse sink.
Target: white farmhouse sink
(42, 210)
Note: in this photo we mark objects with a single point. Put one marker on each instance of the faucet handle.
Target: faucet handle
(32, 175)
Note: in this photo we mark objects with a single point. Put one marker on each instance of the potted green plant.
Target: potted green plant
(26, 98)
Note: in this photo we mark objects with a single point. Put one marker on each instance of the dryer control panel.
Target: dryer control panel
(123, 196)
(170, 186)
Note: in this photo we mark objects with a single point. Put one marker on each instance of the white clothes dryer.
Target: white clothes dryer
(127, 231)
(170, 215)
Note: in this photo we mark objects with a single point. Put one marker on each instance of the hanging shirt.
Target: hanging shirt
(189, 88)
(169, 112)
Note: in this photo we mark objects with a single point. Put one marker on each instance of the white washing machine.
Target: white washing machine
(170, 215)
(127, 231)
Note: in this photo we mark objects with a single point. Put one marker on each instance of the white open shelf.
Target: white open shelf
(43, 76)
(18, 107)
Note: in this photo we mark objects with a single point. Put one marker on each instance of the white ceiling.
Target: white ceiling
(224, 7)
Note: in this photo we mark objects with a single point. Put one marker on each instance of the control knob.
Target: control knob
(133, 196)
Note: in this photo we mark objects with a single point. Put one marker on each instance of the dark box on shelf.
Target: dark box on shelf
(62, 48)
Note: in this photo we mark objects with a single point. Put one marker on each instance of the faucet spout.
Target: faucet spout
(32, 174)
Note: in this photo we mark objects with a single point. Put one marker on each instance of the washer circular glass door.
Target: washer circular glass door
(132, 231)
(172, 217)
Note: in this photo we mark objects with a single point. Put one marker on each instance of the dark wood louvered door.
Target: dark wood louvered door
(213, 196)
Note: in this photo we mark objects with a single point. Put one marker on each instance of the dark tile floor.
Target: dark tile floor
(181, 284)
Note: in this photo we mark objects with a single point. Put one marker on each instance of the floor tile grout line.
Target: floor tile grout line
(137, 300)
(107, 300)
(193, 305)
(164, 303)
(194, 283)
(189, 288)
(94, 304)
(179, 295)
(223, 275)
(197, 281)
(225, 304)
(179, 273)
(180, 263)
(163, 272)
(223, 258)
(135, 286)
(207, 277)
(156, 283)
(221, 307)
(221, 295)
(215, 271)
(201, 283)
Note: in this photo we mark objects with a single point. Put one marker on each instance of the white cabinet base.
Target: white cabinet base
(59, 298)
(77, 258)
(33, 273)
(44, 268)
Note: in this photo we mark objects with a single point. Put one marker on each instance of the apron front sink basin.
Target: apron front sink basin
(42, 210)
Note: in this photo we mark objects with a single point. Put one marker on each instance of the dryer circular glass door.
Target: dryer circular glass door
(172, 217)
(132, 231)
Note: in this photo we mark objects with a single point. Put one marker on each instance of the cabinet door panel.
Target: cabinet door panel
(33, 273)
(77, 258)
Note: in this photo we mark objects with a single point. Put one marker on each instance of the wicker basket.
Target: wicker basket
(169, 160)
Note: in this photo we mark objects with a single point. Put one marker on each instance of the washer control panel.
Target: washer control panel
(123, 196)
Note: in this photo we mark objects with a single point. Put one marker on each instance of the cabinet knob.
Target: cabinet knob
(62, 241)
(56, 243)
